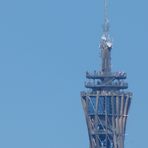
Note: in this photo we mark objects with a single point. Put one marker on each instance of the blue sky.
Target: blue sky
(45, 48)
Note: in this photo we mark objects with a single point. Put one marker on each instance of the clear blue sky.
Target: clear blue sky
(45, 48)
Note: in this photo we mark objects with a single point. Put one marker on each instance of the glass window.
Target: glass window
(91, 105)
(108, 105)
(119, 104)
(114, 104)
(101, 105)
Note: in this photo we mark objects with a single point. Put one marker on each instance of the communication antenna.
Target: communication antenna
(106, 43)
(106, 18)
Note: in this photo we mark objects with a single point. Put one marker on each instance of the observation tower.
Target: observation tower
(106, 101)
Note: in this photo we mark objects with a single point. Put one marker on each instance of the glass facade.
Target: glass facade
(106, 116)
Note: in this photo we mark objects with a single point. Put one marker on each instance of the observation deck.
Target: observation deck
(106, 81)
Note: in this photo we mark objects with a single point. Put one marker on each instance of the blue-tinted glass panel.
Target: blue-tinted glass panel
(108, 105)
(91, 105)
(114, 104)
(119, 105)
(102, 139)
(124, 103)
(93, 100)
(129, 103)
(101, 105)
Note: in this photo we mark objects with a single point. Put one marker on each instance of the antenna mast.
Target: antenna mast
(106, 44)
(106, 18)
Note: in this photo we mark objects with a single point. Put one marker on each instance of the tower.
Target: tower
(106, 102)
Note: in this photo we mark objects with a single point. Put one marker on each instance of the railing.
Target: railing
(108, 93)
(99, 75)
(119, 85)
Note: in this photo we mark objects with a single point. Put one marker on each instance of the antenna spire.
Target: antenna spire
(106, 44)
(106, 18)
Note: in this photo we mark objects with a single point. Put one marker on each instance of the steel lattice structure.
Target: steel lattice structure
(106, 103)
